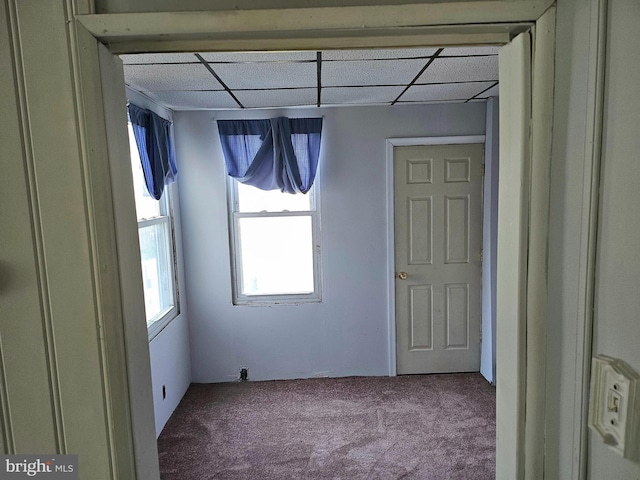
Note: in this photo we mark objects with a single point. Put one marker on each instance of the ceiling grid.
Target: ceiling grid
(187, 81)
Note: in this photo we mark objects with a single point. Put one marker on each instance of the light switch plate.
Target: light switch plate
(614, 405)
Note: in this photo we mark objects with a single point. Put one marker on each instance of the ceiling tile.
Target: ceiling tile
(359, 95)
(464, 51)
(465, 69)
(266, 75)
(170, 77)
(365, 54)
(194, 100)
(370, 72)
(492, 92)
(277, 98)
(446, 91)
(258, 56)
(159, 58)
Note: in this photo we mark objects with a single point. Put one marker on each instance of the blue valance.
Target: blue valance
(153, 137)
(272, 154)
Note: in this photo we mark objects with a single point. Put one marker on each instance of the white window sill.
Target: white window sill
(163, 319)
(272, 300)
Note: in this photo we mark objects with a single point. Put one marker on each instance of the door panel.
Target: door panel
(438, 241)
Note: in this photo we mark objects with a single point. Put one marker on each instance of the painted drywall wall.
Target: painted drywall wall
(617, 303)
(569, 205)
(169, 350)
(347, 333)
(490, 242)
(171, 368)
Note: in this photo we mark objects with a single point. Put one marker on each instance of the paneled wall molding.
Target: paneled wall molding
(37, 228)
(8, 445)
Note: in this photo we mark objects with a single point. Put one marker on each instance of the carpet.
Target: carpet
(408, 427)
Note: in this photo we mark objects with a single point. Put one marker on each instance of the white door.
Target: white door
(438, 240)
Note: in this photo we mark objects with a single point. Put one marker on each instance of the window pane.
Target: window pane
(277, 255)
(146, 205)
(252, 199)
(157, 275)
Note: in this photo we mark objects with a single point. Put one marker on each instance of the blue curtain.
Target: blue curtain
(273, 154)
(153, 137)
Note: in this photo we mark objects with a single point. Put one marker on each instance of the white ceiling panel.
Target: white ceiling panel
(170, 77)
(281, 79)
(360, 95)
(277, 98)
(464, 51)
(465, 69)
(449, 91)
(365, 54)
(370, 72)
(492, 92)
(195, 100)
(159, 58)
(258, 56)
(266, 75)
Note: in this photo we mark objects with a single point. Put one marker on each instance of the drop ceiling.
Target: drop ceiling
(188, 81)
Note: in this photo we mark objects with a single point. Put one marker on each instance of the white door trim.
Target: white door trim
(391, 292)
(588, 234)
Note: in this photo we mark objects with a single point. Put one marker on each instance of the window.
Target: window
(156, 248)
(275, 245)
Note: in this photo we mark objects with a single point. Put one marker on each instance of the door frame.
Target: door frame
(326, 29)
(390, 200)
(472, 22)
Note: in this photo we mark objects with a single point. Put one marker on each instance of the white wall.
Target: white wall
(617, 303)
(170, 367)
(346, 334)
(490, 242)
(169, 349)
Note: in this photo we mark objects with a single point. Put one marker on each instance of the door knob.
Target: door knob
(402, 275)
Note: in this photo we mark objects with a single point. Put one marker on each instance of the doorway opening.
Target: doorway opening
(146, 72)
(513, 439)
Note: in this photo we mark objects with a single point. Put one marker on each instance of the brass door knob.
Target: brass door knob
(402, 275)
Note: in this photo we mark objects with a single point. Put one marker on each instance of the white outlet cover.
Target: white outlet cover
(614, 405)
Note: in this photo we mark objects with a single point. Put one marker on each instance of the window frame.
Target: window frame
(159, 321)
(234, 216)
(166, 218)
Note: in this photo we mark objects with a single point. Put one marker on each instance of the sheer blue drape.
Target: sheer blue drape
(153, 137)
(274, 154)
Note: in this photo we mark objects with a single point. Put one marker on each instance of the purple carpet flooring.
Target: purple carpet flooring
(409, 427)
